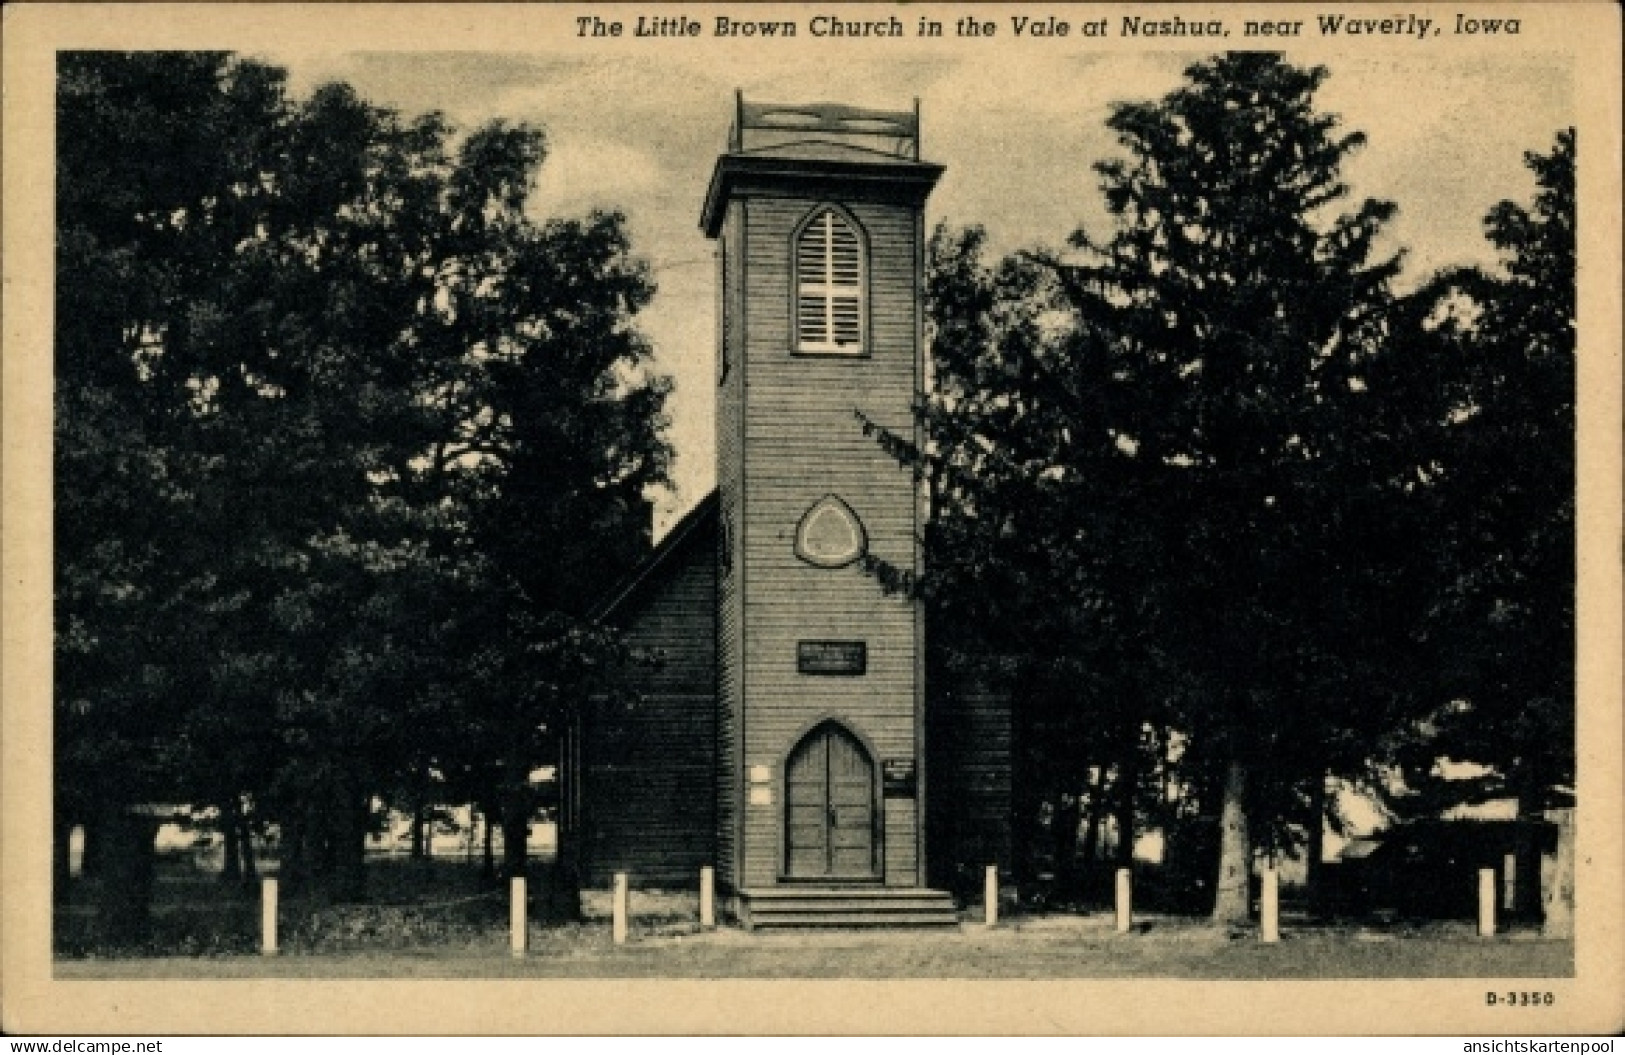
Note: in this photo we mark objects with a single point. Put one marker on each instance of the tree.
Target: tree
(1159, 457)
(298, 346)
(1504, 548)
(1032, 552)
(1245, 312)
(559, 437)
(1031, 549)
(145, 145)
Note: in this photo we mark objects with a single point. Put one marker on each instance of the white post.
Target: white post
(708, 897)
(618, 909)
(1509, 883)
(518, 917)
(268, 945)
(1269, 907)
(990, 896)
(1125, 900)
(1486, 902)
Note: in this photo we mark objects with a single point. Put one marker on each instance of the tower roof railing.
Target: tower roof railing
(759, 124)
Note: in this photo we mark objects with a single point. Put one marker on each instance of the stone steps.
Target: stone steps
(834, 906)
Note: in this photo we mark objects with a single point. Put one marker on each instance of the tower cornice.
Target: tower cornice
(783, 173)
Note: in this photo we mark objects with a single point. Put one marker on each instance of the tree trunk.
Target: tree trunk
(564, 881)
(124, 909)
(1094, 834)
(564, 889)
(488, 866)
(1526, 879)
(61, 857)
(350, 836)
(1316, 872)
(1097, 814)
(1026, 804)
(319, 826)
(231, 870)
(245, 843)
(294, 855)
(1026, 797)
(1128, 781)
(90, 854)
(1232, 900)
(418, 821)
(1557, 878)
(1064, 833)
(516, 810)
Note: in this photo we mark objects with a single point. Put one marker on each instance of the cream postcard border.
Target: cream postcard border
(33, 1002)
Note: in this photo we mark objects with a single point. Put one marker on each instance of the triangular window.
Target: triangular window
(829, 286)
(830, 534)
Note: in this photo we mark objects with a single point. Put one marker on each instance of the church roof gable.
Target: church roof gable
(698, 527)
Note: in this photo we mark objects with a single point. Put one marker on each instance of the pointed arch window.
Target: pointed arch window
(829, 285)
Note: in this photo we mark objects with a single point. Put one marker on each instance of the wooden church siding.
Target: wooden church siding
(730, 585)
(968, 750)
(801, 442)
(650, 781)
(788, 439)
(901, 847)
(650, 754)
(674, 626)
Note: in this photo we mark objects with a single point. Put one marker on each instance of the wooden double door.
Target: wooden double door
(830, 817)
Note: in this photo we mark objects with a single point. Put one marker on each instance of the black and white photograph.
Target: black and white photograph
(863, 518)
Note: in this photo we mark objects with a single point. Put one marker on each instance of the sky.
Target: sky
(1446, 135)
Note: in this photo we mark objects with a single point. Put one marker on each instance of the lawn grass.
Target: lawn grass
(969, 952)
(440, 919)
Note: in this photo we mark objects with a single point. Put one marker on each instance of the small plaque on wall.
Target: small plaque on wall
(897, 775)
(842, 658)
(761, 795)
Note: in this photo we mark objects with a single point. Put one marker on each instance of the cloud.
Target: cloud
(1454, 150)
(459, 84)
(582, 173)
(640, 133)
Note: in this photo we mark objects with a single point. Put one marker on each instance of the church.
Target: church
(788, 735)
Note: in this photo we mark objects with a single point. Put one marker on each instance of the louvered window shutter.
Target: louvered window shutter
(829, 302)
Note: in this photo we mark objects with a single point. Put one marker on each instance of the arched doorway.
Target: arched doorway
(829, 805)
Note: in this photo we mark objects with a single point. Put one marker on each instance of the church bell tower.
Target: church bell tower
(817, 211)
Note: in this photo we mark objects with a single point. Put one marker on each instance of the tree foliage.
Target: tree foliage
(1231, 317)
(1199, 469)
(332, 411)
(1504, 544)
